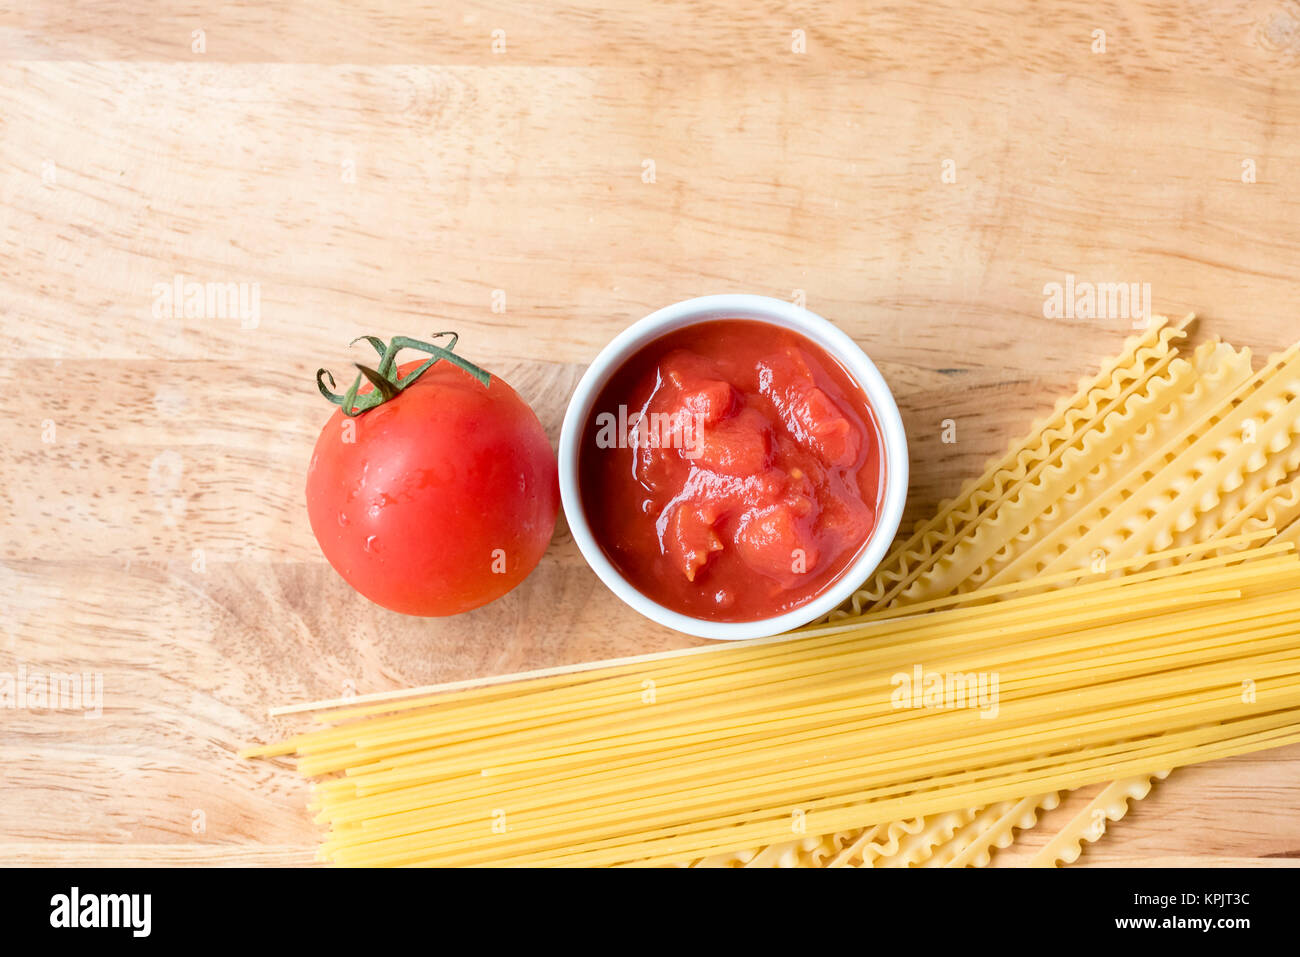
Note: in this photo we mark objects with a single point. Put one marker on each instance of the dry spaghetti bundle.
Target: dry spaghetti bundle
(664, 758)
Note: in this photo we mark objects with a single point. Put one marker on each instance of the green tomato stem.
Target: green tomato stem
(387, 385)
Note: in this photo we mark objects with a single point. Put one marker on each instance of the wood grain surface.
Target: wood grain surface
(917, 174)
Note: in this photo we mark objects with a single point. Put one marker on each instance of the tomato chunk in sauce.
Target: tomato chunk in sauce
(731, 470)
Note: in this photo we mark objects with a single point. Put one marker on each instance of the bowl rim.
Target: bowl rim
(754, 308)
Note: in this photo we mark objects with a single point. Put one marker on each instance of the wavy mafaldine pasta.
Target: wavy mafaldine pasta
(1166, 450)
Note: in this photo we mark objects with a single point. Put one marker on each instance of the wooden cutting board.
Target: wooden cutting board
(537, 178)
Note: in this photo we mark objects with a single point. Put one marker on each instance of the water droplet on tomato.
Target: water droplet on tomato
(372, 545)
(343, 519)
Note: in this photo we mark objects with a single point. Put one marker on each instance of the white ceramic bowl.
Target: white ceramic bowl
(778, 313)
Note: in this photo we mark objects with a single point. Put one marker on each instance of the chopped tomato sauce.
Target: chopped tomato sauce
(731, 470)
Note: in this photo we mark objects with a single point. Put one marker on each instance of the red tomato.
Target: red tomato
(439, 500)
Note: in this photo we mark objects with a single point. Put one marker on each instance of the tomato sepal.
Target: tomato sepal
(385, 380)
